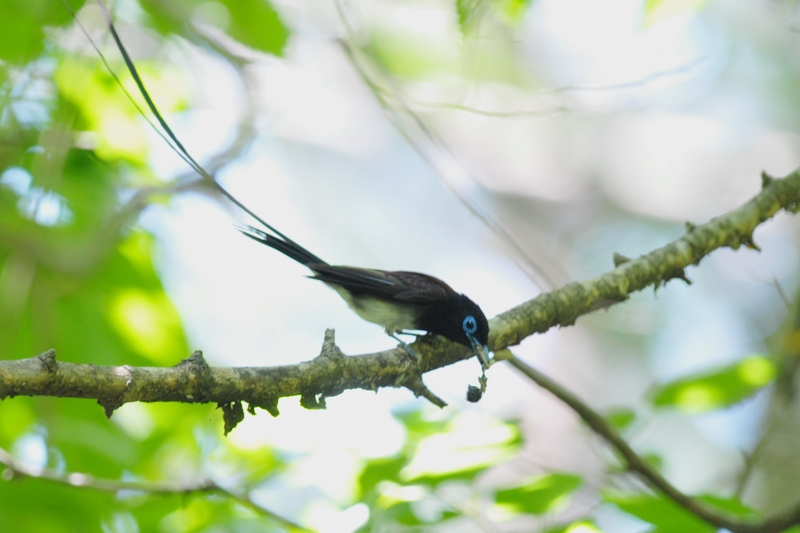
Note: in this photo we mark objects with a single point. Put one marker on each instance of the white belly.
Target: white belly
(391, 317)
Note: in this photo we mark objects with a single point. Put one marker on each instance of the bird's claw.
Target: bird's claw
(410, 351)
(403, 344)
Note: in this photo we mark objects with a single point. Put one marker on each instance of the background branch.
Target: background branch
(635, 463)
(16, 469)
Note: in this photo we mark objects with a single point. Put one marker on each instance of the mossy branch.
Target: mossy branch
(331, 373)
(563, 306)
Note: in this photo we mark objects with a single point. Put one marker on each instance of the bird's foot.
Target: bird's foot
(409, 350)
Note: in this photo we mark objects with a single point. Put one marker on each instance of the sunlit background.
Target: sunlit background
(580, 128)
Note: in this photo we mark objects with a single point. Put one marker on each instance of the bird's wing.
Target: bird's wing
(410, 287)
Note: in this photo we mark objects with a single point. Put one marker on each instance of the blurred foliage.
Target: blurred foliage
(77, 275)
(668, 517)
(470, 12)
(23, 25)
(665, 515)
(418, 52)
(251, 22)
(437, 476)
(661, 9)
(727, 386)
(621, 417)
(539, 495)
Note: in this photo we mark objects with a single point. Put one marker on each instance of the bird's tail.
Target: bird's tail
(287, 247)
(276, 240)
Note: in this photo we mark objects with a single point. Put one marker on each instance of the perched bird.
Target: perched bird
(399, 301)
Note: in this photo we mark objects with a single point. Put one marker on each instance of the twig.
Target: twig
(650, 475)
(437, 154)
(16, 469)
(633, 461)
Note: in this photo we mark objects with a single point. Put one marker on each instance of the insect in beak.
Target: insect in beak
(481, 352)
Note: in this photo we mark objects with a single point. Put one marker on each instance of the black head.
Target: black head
(459, 319)
(473, 326)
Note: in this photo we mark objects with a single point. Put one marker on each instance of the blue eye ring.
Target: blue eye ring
(470, 325)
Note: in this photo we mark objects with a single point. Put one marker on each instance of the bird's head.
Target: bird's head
(475, 328)
(462, 321)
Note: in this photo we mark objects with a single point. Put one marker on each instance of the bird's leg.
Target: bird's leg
(410, 351)
(424, 337)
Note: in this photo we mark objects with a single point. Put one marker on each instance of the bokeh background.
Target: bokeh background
(507, 147)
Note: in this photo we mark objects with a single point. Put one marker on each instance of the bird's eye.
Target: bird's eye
(469, 325)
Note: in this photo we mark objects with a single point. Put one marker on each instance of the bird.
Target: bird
(400, 301)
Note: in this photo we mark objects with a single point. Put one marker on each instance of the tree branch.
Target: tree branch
(635, 463)
(332, 372)
(563, 306)
(193, 381)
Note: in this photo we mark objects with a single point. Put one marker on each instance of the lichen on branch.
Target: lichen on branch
(332, 372)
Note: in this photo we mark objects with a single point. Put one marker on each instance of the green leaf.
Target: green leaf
(43, 506)
(470, 12)
(656, 10)
(581, 526)
(540, 495)
(414, 56)
(254, 23)
(465, 474)
(18, 418)
(512, 11)
(23, 23)
(448, 514)
(653, 459)
(732, 505)
(418, 426)
(470, 445)
(104, 110)
(669, 517)
(377, 470)
(621, 418)
(708, 391)
(402, 513)
(664, 514)
(465, 9)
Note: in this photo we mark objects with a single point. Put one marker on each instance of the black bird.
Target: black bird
(399, 301)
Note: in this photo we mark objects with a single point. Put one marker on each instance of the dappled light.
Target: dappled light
(612, 184)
